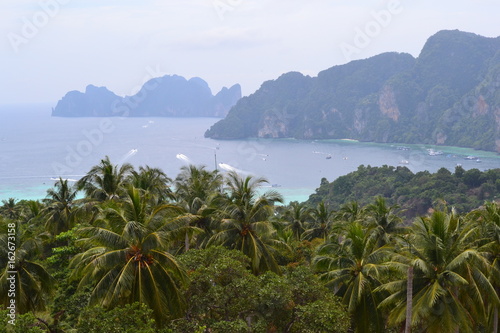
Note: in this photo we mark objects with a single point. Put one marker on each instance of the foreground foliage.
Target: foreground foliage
(218, 255)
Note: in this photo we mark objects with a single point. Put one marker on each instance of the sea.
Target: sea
(36, 149)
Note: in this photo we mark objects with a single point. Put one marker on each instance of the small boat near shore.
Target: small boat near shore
(433, 152)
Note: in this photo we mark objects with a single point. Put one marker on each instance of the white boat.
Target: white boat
(433, 152)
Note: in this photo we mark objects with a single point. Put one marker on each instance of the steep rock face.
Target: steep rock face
(311, 107)
(266, 103)
(226, 99)
(96, 101)
(387, 103)
(171, 96)
(274, 125)
(449, 95)
(474, 119)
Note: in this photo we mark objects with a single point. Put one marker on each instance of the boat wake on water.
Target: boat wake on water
(183, 158)
(128, 155)
(67, 179)
(227, 167)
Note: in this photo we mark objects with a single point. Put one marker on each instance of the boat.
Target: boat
(471, 158)
(404, 162)
(329, 157)
(433, 152)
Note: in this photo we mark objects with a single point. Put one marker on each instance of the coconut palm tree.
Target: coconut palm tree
(354, 268)
(32, 213)
(450, 283)
(59, 207)
(350, 212)
(384, 220)
(246, 224)
(154, 181)
(105, 181)
(10, 209)
(194, 185)
(33, 284)
(321, 222)
(198, 193)
(128, 258)
(296, 218)
(488, 220)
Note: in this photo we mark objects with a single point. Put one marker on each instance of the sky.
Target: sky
(50, 47)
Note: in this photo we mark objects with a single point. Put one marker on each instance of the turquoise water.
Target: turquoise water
(36, 148)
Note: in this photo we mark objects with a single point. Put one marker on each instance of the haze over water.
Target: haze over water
(35, 149)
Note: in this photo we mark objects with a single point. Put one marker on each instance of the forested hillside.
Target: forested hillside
(415, 193)
(448, 95)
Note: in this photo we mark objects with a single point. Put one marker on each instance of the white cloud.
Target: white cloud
(111, 42)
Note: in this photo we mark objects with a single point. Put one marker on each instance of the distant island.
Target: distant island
(167, 96)
(449, 95)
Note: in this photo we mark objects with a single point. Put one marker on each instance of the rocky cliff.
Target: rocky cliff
(171, 96)
(448, 95)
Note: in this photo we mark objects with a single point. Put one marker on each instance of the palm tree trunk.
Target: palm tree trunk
(186, 243)
(409, 299)
(495, 320)
(455, 292)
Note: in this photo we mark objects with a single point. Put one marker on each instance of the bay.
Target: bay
(36, 149)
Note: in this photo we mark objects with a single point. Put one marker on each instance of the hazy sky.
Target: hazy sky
(50, 47)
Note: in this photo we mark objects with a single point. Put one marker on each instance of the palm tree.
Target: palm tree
(154, 181)
(198, 193)
(296, 217)
(246, 225)
(488, 220)
(128, 260)
(354, 269)
(10, 209)
(105, 181)
(322, 222)
(350, 212)
(33, 284)
(194, 185)
(383, 220)
(59, 209)
(450, 286)
(32, 213)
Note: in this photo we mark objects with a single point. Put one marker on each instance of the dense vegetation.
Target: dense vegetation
(448, 95)
(205, 252)
(415, 193)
